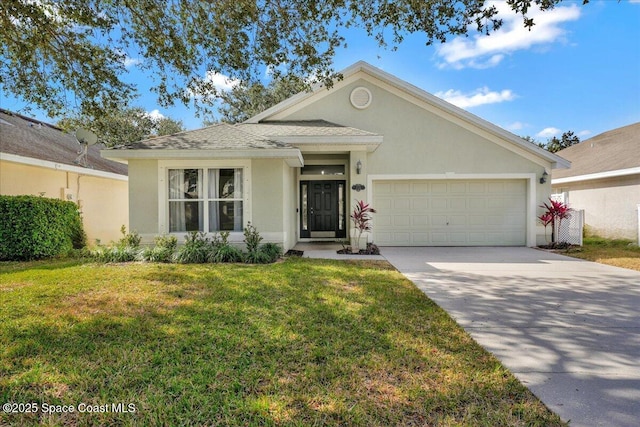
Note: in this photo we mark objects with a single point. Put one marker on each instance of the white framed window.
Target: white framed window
(200, 196)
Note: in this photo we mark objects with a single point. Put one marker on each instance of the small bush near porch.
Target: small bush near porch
(301, 342)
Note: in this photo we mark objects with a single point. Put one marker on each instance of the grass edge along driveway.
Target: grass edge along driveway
(301, 342)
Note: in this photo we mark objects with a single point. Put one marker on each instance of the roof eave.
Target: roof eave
(597, 175)
(292, 156)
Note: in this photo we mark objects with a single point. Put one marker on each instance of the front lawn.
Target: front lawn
(620, 253)
(301, 342)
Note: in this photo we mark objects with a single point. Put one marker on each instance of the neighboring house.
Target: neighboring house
(38, 159)
(604, 180)
(436, 174)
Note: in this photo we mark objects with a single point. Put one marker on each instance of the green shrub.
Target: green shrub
(196, 249)
(167, 242)
(251, 238)
(157, 254)
(115, 254)
(131, 239)
(163, 251)
(37, 227)
(272, 251)
(225, 253)
(256, 257)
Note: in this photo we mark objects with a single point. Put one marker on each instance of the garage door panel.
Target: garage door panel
(439, 188)
(450, 213)
(419, 220)
(403, 188)
(440, 204)
(458, 187)
(402, 204)
(419, 204)
(457, 204)
(401, 220)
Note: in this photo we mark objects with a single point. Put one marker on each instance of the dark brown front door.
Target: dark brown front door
(322, 209)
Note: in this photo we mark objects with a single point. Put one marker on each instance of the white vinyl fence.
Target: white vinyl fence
(570, 229)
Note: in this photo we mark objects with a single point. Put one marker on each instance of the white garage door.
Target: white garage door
(449, 213)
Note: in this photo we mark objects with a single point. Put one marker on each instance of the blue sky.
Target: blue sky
(577, 70)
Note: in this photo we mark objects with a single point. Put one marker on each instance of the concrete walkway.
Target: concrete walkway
(329, 250)
(568, 329)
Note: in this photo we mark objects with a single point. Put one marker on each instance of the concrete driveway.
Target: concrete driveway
(568, 329)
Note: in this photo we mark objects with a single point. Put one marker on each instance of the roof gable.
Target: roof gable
(419, 97)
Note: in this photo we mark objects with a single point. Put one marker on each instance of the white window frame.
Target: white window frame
(163, 191)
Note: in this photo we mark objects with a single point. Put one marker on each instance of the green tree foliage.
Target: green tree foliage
(246, 100)
(555, 144)
(123, 126)
(566, 140)
(71, 55)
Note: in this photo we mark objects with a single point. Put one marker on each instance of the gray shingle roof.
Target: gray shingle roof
(26, 137)
(220, 136)
(613, 150)
(302, 128)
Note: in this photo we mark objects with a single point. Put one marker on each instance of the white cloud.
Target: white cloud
(130, 62)
(548, 132)
(155, 115)
(482, 51)
(586, 132)
(220, 81)
(478, 97)
(515, 126)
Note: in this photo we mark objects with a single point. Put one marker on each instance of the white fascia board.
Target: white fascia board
(30, 161)
(599, 175)
(333, 148)
(325, 139)
(258, 153)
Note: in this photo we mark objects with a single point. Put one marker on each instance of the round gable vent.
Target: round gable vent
(361, 98)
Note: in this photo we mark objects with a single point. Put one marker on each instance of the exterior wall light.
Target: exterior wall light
(359, 167)
(543, 178)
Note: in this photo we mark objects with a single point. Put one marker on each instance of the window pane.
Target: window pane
(186, 216)
(225, 183)
(305, 225)
(225, 189)
(341, 217)
(323, 170)
(225, 216)
(185, 183)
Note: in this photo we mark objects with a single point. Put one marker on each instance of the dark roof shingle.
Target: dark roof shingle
(613, 150)
(22, 136)
(220, 136)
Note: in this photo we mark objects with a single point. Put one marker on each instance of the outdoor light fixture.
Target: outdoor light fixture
(543, 178)
(359, 167)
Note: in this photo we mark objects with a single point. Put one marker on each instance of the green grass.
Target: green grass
(301, 342)
(619, 253)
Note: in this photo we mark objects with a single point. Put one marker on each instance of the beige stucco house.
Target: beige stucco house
(37, 158)
(436, 174)
(604, 180)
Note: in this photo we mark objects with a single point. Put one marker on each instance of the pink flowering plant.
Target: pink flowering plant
(555, 212)
(361, 217)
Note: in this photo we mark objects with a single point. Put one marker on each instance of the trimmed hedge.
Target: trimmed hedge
(34, 227)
